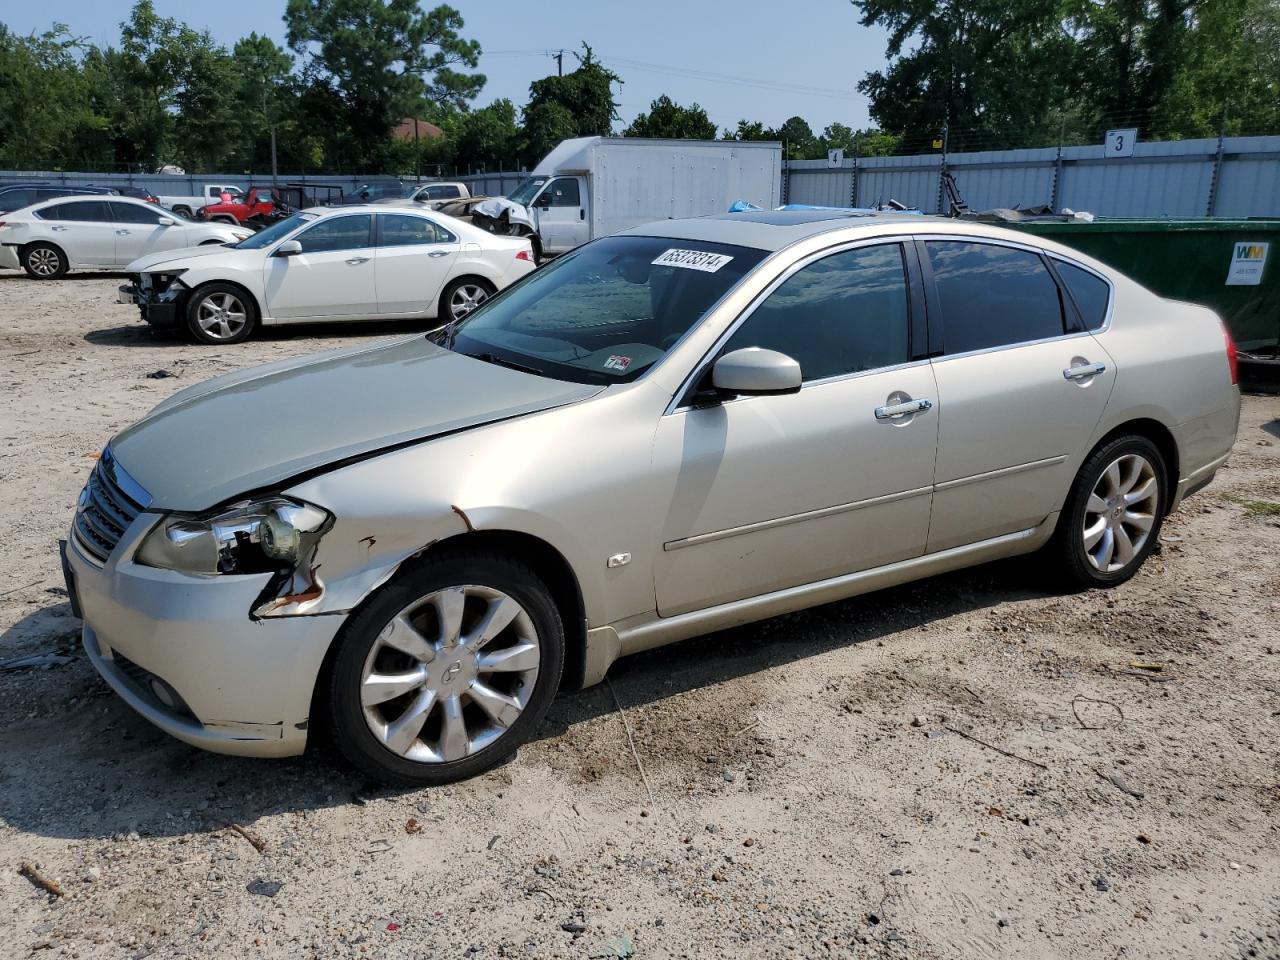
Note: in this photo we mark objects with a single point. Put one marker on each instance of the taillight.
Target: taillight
(525, 255)
(1233, 359)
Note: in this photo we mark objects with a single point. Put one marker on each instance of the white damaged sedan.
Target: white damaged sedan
(345, 263)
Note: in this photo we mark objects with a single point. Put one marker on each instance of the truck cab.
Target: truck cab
(559, 207)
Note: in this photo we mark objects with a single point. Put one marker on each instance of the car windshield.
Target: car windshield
(606, 312)
(525, 193)
(264, 238)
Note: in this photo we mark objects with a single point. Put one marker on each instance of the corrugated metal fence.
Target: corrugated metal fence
(1227, 177)
(170, 185)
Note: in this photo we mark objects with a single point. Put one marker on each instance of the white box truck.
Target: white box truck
(591, 187)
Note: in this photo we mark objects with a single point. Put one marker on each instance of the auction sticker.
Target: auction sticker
(692, 260)
(1247, 262)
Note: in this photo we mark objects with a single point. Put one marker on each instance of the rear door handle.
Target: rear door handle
(122, 233)
(895, 410)
(1084, 371)
(358, 260)
(438, 253)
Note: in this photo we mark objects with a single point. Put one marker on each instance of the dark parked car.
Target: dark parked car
(138, 193)
(370, 192)
(15, 196)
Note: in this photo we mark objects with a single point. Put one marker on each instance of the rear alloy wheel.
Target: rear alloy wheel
(44, 261)
(220, 313)
(1111, 521)
(447, 671)
(463, 296)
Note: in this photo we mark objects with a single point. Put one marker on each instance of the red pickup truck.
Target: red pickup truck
(257, 203)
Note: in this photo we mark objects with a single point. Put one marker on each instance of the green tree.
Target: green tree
(489, 136)
(750, 130)
(998, 70)
(578, 104)
(45, 117)
(669, 120)
(374, 61)
(798, 140)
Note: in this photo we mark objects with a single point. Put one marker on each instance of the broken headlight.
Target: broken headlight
(273, 535)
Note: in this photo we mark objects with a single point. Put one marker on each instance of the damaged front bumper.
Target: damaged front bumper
(158, 297)
(185, 651)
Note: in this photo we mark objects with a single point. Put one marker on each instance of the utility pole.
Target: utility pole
(559, 58)
(274, 172)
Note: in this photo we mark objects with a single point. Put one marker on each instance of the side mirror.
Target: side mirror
(166, 221)
(290, 248)
(754, 371)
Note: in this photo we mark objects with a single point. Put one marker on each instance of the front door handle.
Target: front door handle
(895, 410)
(358, 260)
(1084, 371)
(582, 214)
(122, 233)
(59, 229)
(438, 253)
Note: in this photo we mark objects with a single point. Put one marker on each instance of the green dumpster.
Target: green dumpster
(1229, 266)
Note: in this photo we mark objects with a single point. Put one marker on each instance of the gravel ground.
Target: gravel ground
(960, 768)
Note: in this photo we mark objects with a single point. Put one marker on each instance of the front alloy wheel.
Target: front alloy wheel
(220, 313)
(450, 673)
(447, 670)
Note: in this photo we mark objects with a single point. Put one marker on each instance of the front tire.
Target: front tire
(446, 671)
(1112, 518)
(220, 313)
(44, 261)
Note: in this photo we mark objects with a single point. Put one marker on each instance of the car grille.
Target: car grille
(111, 500)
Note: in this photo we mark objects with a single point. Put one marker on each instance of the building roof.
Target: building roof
(426, 130)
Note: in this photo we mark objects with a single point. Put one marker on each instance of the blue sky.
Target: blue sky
(738, 58)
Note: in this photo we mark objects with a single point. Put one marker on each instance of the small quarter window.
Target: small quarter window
(993, 296)
(1090, 293)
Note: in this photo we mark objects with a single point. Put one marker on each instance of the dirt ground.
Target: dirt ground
(965, 767)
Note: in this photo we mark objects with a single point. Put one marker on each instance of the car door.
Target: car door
(777, 491)
(332, 277)
(83, 229)
(412, 262)
(562, 214)
(139, 231)
(1021, 388)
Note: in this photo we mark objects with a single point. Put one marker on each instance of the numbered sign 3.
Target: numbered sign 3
(1120, 143)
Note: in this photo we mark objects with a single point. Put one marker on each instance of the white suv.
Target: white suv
(70, 233)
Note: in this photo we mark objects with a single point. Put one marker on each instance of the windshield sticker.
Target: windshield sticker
(618, 363)
(692, 260)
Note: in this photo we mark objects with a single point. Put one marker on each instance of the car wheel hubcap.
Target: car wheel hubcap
(221, 316)
(467, 298)
(450, 674)
(43, 262)
(1121, 512)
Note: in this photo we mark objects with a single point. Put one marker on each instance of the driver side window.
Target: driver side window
(337, 233)
(843, 314)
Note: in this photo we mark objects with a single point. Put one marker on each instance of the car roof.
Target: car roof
(775, 229)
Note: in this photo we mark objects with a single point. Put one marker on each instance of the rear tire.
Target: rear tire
(462, 296)
(1111, 521)
(220, 313)
(44, 261)
(452, 718)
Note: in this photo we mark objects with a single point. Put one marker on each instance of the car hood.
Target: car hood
(260, 427)
(170, 259)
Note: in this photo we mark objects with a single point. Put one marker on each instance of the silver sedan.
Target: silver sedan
(687, 426)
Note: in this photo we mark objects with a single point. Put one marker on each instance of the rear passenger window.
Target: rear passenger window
(1090, 293)
(992, 296)
(85, 211)
(843, 314)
